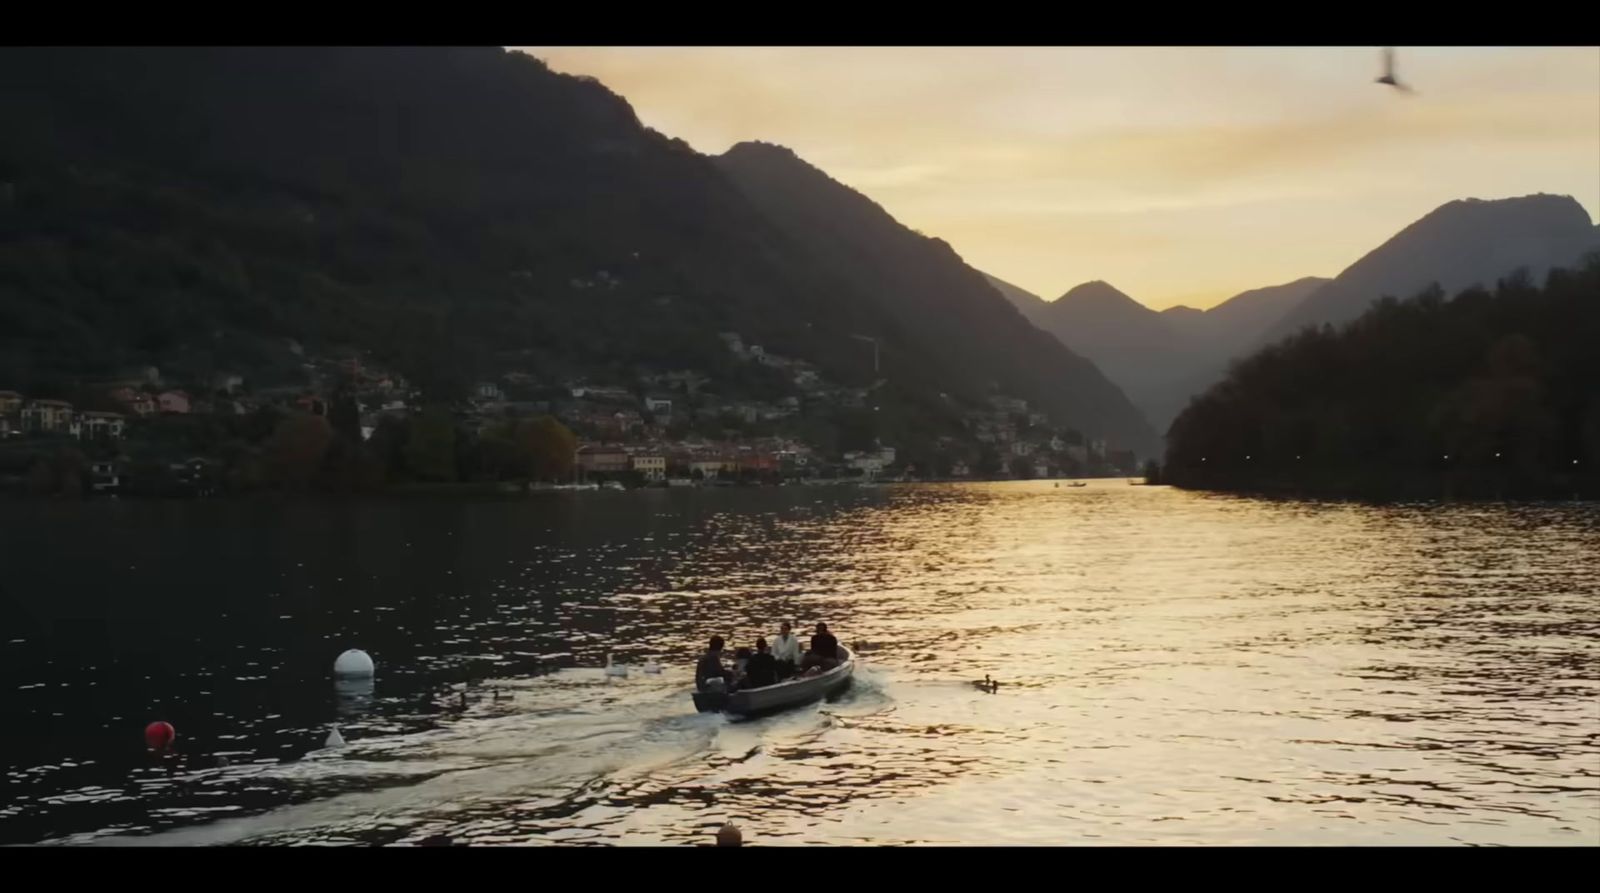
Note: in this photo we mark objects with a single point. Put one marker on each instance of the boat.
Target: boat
(1077, 484)
(613, 485)
(792, 692)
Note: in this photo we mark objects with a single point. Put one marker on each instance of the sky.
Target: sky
(1179, 175)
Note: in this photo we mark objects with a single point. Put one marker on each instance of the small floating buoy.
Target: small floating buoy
(159, 735)
(334, 738)
(728, 835)
(353, 663)
(615, 670)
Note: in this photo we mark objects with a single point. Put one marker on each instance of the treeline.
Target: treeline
(1495, 393)
(272, 450)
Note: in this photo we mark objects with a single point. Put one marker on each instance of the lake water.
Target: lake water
(1175, 668)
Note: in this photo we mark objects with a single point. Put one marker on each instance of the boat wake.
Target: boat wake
(550, 742)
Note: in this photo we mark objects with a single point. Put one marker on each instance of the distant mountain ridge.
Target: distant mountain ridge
(1158, 358)
(1457, 245)
(1163, 359)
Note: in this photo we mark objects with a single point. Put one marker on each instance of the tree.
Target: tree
(1488, 394)
(430, 450)
(295, 453)
(41, 478)
(388, 446)
(552, 447)
(345, 417)
(988, 463)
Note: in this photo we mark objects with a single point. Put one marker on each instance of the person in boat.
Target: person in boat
(786, 650)
(762, 670)
(710, 667)
(741, 660)
(824, 651)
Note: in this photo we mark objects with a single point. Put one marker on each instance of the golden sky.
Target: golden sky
(1179, 175)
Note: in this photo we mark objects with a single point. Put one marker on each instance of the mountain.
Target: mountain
(1460, 244)
(1138, 348)
(458, 212)
(1239, 321)
(1030, 304)
(933, 298)
(1159, 359)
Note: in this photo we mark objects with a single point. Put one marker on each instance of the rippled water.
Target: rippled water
(1175, 668)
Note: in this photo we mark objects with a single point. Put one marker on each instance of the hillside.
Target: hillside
(457, 212)
(1488, 394)
(934, 300)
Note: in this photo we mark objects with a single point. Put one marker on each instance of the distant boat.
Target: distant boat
(1077, 484)
(614, 485)
(680, 482)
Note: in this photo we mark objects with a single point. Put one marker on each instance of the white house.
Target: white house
(658, 405)
(653, 467)
(100, 426)
(708, 468)
(47, 415)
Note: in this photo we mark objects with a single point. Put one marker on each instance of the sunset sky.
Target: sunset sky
(1181, 176)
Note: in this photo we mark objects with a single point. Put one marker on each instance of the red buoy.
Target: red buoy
(159, 735)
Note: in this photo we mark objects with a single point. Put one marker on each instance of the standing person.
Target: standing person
(762, 668)
(710, 667)
(786, 650)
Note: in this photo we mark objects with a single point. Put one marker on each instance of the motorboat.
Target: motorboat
(792, 692)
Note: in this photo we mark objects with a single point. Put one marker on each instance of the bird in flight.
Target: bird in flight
(1388, 72)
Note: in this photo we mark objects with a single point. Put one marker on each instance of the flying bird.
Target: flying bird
(1388, 72)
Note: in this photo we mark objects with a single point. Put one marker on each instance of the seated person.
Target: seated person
(710, 667)
(741, 660)
(762, 668)
(824, 651)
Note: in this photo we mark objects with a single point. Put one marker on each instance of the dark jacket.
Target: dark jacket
(710, 667)
(761, 670)
(825, 645)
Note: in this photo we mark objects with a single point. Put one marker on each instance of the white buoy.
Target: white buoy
(334, 739)
(652, 668)
(614, 670)
(353, 663)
